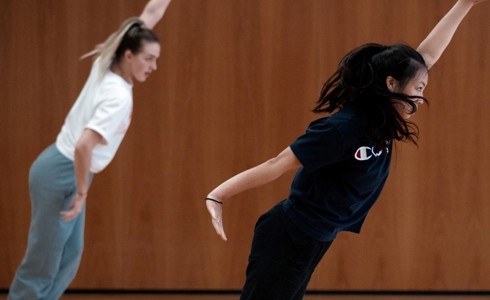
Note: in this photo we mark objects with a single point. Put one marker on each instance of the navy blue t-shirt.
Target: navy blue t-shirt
(341, 177)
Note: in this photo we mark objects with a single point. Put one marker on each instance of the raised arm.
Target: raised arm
(251, 178)
(438, 39)
(153, 12)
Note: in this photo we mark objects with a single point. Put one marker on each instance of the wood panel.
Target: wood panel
(235, 83)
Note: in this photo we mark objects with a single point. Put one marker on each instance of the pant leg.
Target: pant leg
(315, 259)
(52, 186)
(282, 259)
(70, 259)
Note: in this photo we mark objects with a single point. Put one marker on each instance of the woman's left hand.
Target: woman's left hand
(76, 208)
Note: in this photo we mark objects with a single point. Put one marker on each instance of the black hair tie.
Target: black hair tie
(214, 200)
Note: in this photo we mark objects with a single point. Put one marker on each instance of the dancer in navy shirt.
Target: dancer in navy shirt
(342, 160)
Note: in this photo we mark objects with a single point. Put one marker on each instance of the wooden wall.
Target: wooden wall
(235, 83)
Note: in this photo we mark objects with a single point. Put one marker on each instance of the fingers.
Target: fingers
(74, 209)
(218, 226)
(72, 213)
(478, 1)
(69, 215)
(215, 210)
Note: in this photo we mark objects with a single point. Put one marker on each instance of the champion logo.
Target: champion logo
(365, 153)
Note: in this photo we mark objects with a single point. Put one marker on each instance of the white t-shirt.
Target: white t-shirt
(105, 106)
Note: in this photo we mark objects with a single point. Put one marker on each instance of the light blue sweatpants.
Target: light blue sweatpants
(54, 247)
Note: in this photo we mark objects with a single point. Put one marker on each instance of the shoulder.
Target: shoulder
(348, 123)
(345, 120)
(114, 84)
(113, 94)
(347, 115)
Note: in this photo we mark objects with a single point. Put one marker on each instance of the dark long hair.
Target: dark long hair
(361, 80)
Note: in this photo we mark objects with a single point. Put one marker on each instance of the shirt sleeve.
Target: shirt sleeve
(110, 114)
(321, 145)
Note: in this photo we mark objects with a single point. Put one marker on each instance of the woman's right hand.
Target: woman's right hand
(75, 208)
(216, 212)
(473, 2)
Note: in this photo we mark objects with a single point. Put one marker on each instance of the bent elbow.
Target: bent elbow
(81, 149)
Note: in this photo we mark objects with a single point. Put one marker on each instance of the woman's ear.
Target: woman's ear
(391, 84)
(128, 55)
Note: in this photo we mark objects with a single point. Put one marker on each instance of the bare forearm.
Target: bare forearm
(257, 176)
(244, 181)
(83, 159)
(439, 38)
(153, 12)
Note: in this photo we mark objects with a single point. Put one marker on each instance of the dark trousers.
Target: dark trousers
(282, 259)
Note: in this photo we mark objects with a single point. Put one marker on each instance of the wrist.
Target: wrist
(214, 199)
(217, 195)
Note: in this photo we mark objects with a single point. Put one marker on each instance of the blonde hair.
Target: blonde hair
(106, 50)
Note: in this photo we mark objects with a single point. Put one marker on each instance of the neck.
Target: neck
(122, 71)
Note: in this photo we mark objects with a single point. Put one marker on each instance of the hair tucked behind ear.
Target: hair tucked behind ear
(361, 80)
(129, 36)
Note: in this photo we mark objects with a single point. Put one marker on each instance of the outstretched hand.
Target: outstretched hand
(75, 208)
(473, 1)
(216, 212)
